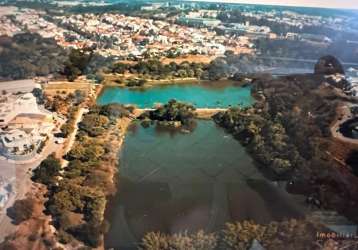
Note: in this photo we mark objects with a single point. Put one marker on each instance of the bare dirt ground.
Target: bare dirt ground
(58, 87)
(36, 232)
(189, 58)
(207, 113)
(186, 58)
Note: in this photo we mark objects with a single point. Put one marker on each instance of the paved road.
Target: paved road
(72, 137)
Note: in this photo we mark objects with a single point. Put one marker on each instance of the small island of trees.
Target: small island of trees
(173, 113)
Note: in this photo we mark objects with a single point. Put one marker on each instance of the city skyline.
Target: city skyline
(334, 4)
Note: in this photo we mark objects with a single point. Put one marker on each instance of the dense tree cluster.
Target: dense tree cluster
(115, 110)
(180, 241)
(290, 234)
(94, 124)
(76, 63)
(28, 55)
(38, 93)
(77, 194)
(266, 139)
(328, 65)
(300, 122)
(155, 69)
(21, 210)
(289, 129)
(220, 68)
(172, 112)
(48, 171)
(132, 82)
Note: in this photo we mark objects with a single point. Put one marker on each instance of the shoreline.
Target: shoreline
(175, 81)
(115, 136)
(167, 83)
(117, 145)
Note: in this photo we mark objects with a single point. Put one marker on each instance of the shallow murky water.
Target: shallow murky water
(172, 181)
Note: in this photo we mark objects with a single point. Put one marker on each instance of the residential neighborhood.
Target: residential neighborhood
(161, 125)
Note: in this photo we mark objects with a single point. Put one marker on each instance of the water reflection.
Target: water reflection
(172, 182)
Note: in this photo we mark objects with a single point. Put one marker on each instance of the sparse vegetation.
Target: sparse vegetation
(68, 127)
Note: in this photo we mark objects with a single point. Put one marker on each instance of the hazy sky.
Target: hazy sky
(342, 4)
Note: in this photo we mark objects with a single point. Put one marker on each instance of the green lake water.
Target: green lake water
(202, 96)
(171, 181)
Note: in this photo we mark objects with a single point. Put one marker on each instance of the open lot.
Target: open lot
(60, 87)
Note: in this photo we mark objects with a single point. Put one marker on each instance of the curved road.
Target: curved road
(346, 114)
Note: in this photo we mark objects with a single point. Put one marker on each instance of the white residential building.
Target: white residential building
(14, 105)
(23, 126)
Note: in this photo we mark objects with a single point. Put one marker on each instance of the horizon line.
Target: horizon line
(248, 2)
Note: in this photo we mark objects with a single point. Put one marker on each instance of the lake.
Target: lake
(202, 96)
(350, 128)
(171, 181)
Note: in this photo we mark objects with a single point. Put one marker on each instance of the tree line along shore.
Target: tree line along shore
(287, 130)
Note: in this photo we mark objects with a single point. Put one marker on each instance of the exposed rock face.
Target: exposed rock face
(328, 65)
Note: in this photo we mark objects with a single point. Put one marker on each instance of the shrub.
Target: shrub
(47, 171)
(21, 210)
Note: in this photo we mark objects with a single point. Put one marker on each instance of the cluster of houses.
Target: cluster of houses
(246, 29)
(295, 19)
(128, 36)
(135, 37)
(15, 20)
(7, 26)
(312, 38)
(24, 125)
